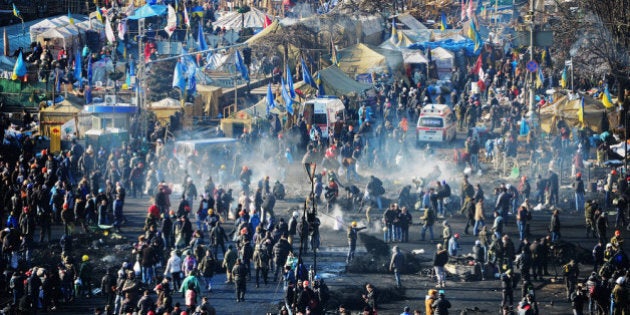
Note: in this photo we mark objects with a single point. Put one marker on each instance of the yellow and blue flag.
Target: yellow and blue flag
(540, 79)
(70, 18)
(19, 69)
(99, 15)
(606, 98)
(320, 85)
(443, 23)
(16, 12)
(563, 78)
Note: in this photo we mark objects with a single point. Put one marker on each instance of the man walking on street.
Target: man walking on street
(396, 264)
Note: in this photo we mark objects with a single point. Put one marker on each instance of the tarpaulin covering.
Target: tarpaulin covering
(148, 11)
(254, 18)
(23, 94)
(567, 110)
(449, 44)
(338, 83)
(359, 58)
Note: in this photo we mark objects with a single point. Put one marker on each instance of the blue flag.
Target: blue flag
(288, 101)
(192, 82)
(58, 80)
(306, 75)
(241, 67)
(19, 69)
(89, 71)
(179, 79)
(201, 40)
(270, 102)
(524, 127)
(290, 82)
(128, 79)
(88, 95)
(78, 69)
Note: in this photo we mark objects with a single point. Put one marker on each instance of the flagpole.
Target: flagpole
(572, 74)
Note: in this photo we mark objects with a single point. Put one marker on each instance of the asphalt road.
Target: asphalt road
(484, 295)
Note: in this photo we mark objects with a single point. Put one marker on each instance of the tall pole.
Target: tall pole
(572, 74)
(531, 57)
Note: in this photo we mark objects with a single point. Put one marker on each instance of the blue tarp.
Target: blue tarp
(148, 11)
(449, 44)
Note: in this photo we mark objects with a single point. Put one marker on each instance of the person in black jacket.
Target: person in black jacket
(441, 305)
(239, 273)
(439, 260)
(108, 287)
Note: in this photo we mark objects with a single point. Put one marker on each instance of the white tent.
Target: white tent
(413, 56)
(58, 38)
(444, 61)
(254, 18)
(216, 61)
(53, 22)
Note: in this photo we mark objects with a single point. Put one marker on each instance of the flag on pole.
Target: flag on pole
(306, 75)
(474, 35)
(57, 81)
(99, 15)
(320, 86)
(109, 31)
(333, 50)
(19, 69)
(463, 14)
(478, 65)
(290, 82)
(127, 79)
(201, 40)
(524, 127)
(607, 99)
(171, 21)
(267, 21)
(394, 36)
(540, 78)
(563, 78)
(16, 12)
(197, 11)
(270, 102)
(122, 29)
(186, 19)
(78, 69)
(240, 66)
(192, 81)
(481, 82)
(70, 18)
(179, 79)
(443, 22)
(581, 111)
(288, 101)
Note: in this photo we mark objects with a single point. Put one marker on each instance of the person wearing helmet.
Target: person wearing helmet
(617, 240)
(353, 231)
(453, 245)
(85, 274)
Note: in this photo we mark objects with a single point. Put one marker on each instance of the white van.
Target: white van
(437, 123)
(323, 112)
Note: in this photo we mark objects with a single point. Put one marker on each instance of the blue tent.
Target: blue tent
(148, 11)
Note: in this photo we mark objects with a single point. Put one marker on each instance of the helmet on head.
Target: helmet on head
(613, 172)
(85, 258)
(210, 211)
(456, 235)
(617, 233)
(317, 278)
(354, 223)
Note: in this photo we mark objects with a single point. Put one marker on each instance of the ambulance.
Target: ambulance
(324, 112)
(437, 123)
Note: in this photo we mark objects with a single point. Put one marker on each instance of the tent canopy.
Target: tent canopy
(338, 83)
(413, 56)
(567, 110)
(410, 22)
(53, 22)
(254, 18)
(359, 59)
(148, 10)
(167, 103)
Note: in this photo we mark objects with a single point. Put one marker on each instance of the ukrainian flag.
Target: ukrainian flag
(563, 78)
(474, 35)
(581, 111)
(443, 24)
(70, 18)
(606, 98)
(539, 79)
(99, 16)
(16, 12)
